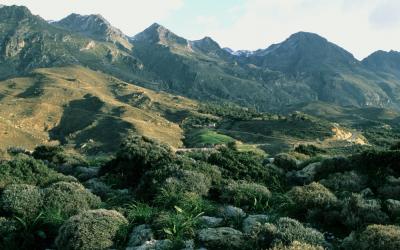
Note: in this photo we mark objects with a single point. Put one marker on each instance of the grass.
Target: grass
(197, 138)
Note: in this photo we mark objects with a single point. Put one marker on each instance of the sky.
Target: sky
(359, 26)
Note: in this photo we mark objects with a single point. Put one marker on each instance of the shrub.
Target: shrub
(139, 213)
(348, 181)
(242, 193)
(137, 155)
(26, 170)
(178, 225)
(374, 237)
(69, 198)
(286, 161)
(189, 181)
(310, 150)
(57, 155)
(313, 195)
(332, 165)
(358, 211)
(242, 166)
(22, 200)
(93, 229)
(295, 245)
(287, 230)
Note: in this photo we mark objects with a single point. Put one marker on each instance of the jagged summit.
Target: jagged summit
(96, 27)
(157, 33)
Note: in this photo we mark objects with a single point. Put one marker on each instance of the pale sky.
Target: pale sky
(359, 26)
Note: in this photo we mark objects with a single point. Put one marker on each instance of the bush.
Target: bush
(22, 200)
(242, 193)
(349, 181)
(295, 245)
(286, 161)
(26, 170)
(94, 229)
(374, 237)
(189, 181)
(58, 156)
(309, 150)
(178, 225)
(287, 230)
(313, 195)
(242, 166)
(358, 211)
(69, 198)
(136, 156)
(332, 165)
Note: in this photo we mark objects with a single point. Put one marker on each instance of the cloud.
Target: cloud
(386, 15)
(131, 16)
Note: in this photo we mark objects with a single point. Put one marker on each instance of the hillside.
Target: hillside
(86, 109)
(303, 68)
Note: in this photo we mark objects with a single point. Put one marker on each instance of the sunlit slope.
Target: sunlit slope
(89, 110)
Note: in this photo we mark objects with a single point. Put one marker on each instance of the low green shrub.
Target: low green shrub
(332, 165)
(188, 181)
(358, 211)
(244, 194)
(93, 229)
(313, 195)
(22, 200)
(137, 155)
(58, 156)
(374, 237)
(286, 162)
(246, 166)
(26, 170)
(70, 198)
(296, 245)
(286, 230)
(310, 150)
(177, 226)
(349, 181)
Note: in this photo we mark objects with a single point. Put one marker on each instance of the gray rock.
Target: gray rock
(303, 176)
(221, 238)
(393, 207)
(252, 222)
(140, 235)
(207, 221)
(189, 245)
(231, 212)
(153, 245)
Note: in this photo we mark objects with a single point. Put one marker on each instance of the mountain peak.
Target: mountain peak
(302, 51)
(96, 27)
(15, 12)
(157, 33)
(384, 61)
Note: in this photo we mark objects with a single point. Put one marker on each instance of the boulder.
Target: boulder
(153, 245)
(207, 221)
(140, 235)
(221, 238)
(303, 176)
(252, 222)
(231, 212)
(393, 207)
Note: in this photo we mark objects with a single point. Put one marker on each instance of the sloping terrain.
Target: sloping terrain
(87, 109)
(303, 68)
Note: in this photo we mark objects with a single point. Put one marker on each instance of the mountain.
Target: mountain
(304, 68)
(96, 27)
(303, 52)
(384, 62)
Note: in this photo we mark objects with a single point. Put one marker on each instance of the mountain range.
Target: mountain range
(304, 68)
